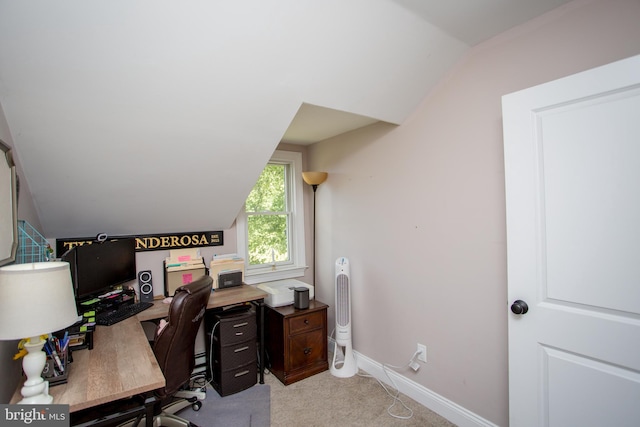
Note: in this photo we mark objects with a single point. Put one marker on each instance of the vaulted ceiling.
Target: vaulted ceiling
(140, 116)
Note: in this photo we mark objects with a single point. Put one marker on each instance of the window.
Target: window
(271, 226)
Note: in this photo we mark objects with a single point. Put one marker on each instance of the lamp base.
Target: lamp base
(40, 399)
(35, 389)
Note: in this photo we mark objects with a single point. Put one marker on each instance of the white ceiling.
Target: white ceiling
(313, 123)
(141, 116)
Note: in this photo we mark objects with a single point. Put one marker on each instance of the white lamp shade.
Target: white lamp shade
(35, 299)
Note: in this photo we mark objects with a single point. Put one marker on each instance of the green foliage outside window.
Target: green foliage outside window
(267, 217)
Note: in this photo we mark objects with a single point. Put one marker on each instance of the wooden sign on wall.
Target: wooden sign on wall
(153, 242)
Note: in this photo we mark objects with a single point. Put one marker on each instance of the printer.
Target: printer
(280, 292)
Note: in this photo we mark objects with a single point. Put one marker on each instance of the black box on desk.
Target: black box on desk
(226, 264)
(80, 334)
(229, 279)
(81, 340)
(52, 371)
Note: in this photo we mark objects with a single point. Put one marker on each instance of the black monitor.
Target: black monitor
(97, 267)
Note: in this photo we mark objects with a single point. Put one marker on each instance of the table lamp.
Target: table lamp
(35, 299)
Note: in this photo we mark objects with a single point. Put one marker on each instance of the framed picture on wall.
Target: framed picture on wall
(8, 206)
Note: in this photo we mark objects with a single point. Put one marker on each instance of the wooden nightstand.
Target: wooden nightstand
(296, 341)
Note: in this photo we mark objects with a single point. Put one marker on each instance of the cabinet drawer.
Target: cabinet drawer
(306, 322)
(235, 329)
(307, 349)
(235, 380)
(236, 354)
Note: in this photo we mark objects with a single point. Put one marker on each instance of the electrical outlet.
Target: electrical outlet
(423, 353)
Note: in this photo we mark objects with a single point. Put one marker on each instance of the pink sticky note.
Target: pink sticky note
(184, 258)
(187, 278)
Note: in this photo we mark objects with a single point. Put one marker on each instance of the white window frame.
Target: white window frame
(297, 264)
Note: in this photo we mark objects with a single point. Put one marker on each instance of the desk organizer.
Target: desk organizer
(231, 267)
(181, 268)
(81, 333)
(52, 372)
(81, 336)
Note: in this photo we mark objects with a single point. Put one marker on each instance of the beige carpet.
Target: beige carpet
(324, 400)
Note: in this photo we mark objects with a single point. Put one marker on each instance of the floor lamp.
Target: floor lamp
(314, 179)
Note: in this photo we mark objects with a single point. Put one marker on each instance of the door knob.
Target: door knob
(519, 307)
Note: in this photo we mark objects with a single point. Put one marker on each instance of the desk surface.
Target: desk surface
(117, 368)
(219, 298)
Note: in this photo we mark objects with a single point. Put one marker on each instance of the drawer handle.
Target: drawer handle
(239, 374)
(239, 334)
(307, 350)
(306, 321)
(240, 325)
(237, 350)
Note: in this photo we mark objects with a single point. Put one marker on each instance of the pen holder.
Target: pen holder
(52, 371)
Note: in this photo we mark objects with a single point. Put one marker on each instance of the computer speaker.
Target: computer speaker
(146, 286)
(301, 297)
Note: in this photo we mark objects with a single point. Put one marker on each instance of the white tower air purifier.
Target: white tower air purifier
(344, 362)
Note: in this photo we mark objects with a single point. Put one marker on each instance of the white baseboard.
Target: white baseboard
(444, 407)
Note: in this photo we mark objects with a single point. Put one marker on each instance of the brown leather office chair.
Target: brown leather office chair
(174, 350)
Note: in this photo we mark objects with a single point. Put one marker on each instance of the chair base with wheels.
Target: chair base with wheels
(167, 417)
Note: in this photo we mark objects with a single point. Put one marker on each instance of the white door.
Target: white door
(572, 164)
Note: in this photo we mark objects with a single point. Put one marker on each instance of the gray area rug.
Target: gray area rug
(248, 408)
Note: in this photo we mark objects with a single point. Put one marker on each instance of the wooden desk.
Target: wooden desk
(218, 299)
(120, 365)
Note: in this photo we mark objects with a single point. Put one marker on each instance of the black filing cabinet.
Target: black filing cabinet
(231, 347)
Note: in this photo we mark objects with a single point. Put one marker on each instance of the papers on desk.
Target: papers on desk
(179, 259)
(182, 267)
(226, 265)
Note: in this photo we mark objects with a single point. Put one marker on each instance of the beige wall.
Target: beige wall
(419, 209)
